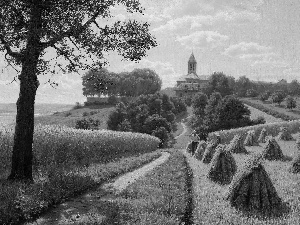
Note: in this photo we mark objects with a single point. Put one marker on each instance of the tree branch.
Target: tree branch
(74, 31)
(8, 61)
(16, 55)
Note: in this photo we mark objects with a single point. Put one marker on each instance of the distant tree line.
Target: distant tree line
(244, 87)
(99, 82)
(152, 114)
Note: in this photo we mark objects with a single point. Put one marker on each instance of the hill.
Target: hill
(68, 118)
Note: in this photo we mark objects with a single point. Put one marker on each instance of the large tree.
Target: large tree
(74, 31)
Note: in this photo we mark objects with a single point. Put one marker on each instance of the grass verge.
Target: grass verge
(212, 208)
(20, 202)
(163, 196)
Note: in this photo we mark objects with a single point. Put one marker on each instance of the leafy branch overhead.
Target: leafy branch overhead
(72, 29)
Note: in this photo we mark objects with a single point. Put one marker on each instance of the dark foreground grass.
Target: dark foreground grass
(212, 208)
(20, 202)
(162, 197)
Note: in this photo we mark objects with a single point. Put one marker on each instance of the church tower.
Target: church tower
(192, 64)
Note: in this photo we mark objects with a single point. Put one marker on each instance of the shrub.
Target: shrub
(93, 112)
(87, 124)
(85, 114)
(163, 135)
(77, 106)
(264, 96)
(278, 97)
(251, 93)
(290, 102)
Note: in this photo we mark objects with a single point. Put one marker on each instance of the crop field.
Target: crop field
(212, 208)
(280, 109)
(256, 113)
(63, 146)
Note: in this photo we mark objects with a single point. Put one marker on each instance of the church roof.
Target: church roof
(193, 76)
(192, 58)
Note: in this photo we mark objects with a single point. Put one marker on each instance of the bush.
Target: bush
(264, 96)
(77, 106)
(85, 114)
(278, 97)
(259, 120)
(251, 93)
(87, 124)
(290, 102)
(163, 135)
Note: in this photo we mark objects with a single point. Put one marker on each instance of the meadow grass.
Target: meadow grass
(161, 197)
(56, 146)
(256, 113)
(278, 108)
(212, 208)
(20, 202)
(69, 118)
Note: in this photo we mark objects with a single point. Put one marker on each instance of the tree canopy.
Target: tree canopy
(73, 30)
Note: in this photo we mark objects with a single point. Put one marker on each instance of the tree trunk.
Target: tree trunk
(21, 169)
(22, 150)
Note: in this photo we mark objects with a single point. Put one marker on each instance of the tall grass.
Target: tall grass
(56, 146)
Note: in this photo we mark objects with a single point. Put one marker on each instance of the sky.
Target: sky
(259, 39)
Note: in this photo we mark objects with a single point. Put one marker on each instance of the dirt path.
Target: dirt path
(96, 207)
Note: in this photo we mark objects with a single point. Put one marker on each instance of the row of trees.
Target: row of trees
(151, 114)
(137, 82)
(219, 113)
(244, 87)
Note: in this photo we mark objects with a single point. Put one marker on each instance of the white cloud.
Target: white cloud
(246, 49)
(203, 39)
(165, 70)
(225, 17)
(255, 53)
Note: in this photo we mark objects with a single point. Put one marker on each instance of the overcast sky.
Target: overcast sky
(256, 38)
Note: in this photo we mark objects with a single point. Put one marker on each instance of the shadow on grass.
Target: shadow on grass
(286, 158)
(273, 213)
(91, 208)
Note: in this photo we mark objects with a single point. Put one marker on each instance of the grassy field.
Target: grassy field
(256, 113)
(279, 108)
(212, 208)
(68, 118)
(21, 202)
(161, 197)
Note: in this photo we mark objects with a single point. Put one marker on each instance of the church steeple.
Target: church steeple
(192, 64)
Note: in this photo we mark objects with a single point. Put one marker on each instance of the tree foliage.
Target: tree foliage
(218, 82)
(278, 97)
(78, 38)
(152, 114)
(290, 102)
(131, 84)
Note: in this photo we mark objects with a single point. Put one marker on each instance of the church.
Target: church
(188, 85)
